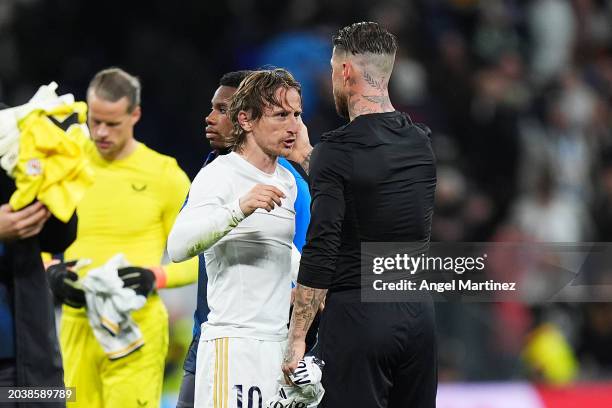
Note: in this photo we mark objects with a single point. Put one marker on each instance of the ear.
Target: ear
(245, 121)
(135, 115)
(347, 72)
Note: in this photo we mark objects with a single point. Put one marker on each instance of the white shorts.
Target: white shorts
(237, 372)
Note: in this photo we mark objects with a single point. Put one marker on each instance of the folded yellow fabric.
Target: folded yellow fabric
(52, 166)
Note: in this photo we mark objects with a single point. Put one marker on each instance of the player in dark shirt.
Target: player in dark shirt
(372, 180)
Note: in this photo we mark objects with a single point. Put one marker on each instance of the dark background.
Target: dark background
(518, 95)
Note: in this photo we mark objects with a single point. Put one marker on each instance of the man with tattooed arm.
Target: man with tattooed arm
(376, 354)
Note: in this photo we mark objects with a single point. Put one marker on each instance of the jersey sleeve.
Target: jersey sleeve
(301, 204)
(330, 166)
(209, 214)
(177, 186)
(302, 213)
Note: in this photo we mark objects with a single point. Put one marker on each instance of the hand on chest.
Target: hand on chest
(277, 224)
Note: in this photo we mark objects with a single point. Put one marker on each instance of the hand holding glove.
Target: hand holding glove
(64, 283)
(142, 280)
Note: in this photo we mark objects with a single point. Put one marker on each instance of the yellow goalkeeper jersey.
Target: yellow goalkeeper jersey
(130, 209)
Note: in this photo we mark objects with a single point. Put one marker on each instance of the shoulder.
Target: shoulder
(163, 162)
(331, 160)
(330, 152)
(164, 166)
(216, 174)
(297, 172)
(284, 173)
(290, 167)
(155, 158)
(221, 166)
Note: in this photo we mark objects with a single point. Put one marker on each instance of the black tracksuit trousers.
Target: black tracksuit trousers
(377, 355)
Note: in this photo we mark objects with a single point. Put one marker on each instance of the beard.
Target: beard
(341, 102)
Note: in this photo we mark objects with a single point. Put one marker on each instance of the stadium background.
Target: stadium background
(519, 97)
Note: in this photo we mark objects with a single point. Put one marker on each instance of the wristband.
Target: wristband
(161, 279)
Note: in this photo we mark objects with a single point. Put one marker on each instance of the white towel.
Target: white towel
(45, 98)
(306, 390)
(109, 305)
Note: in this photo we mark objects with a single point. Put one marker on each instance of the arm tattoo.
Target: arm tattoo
(305, 306)
(289, 355)
(306, 163)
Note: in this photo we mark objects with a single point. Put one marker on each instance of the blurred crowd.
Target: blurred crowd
(518, 94)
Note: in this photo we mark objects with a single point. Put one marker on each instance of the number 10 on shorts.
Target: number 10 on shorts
(253, 394)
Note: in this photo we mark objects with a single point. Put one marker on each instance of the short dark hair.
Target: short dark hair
(257, 91)
(112, 84)
(364, 37)
(233, 79)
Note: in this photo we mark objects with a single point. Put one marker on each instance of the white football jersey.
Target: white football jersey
(248, 259)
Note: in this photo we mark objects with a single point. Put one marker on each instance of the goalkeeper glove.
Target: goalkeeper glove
(142, 280)
(64, 284)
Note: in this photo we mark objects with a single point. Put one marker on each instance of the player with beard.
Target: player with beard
(219, 133)
(240, 214)
(376, 354)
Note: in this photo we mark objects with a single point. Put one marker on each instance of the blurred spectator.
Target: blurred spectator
(547, 216)
(552, 26)
(493, 148)
(495, 32)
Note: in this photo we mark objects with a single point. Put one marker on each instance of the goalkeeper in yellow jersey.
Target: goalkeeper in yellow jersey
(130, 209)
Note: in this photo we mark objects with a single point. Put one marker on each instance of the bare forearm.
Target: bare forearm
(306, 162)
(305, 307)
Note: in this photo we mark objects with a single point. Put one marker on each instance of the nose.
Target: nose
(294, 125)
(101, 130)
(210, 119)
